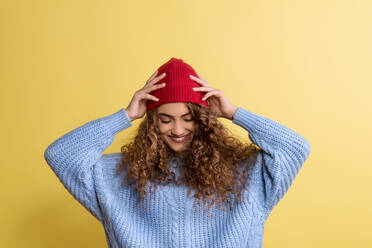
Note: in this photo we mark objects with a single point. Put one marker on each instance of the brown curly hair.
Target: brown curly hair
(212, 167)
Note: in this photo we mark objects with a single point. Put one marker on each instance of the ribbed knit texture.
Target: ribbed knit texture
(178, 85)
(170, 220)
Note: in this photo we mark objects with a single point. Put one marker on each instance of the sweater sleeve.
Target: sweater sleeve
(283, 152)
(73, 156)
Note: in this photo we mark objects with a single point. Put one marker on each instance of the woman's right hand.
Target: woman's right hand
(137, 106)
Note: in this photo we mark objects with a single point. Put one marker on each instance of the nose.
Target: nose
(178, 129)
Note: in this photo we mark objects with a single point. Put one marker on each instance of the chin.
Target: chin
(181, 154)
(178, 150)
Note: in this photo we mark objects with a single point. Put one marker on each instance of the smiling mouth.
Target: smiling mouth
(178, 139)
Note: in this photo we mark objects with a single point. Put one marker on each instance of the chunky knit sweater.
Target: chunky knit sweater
(78, 161)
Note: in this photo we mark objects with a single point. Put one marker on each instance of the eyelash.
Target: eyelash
(169, 121)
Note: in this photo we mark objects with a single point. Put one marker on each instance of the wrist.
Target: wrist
(233, 112)
(128, 114)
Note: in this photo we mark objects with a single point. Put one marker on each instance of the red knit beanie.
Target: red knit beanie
(178, 86)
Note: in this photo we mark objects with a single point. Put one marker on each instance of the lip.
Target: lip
(176, 141)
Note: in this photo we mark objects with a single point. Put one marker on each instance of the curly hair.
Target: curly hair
(212, 168)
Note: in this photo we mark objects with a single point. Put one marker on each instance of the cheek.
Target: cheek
(164, 129)
(161, 127)
(191, 127)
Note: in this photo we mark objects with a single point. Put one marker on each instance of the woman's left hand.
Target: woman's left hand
(217, 101)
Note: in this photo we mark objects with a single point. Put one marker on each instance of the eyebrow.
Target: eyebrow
(170, 116)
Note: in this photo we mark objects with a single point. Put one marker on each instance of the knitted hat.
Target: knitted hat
(178, 86)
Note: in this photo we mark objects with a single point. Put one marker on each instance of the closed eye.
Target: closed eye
(185, 120)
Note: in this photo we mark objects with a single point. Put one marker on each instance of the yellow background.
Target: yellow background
(305, 64)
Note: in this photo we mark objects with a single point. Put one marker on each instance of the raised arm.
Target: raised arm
(283, 153)
(73, 156)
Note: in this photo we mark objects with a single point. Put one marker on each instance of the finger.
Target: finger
(201, 77)
(153, 87)
(211, 93)
(203, 89)
(151, 97)
(152, 76)
(143, 95)
(155, 80)
(198, 80)
(206, 96)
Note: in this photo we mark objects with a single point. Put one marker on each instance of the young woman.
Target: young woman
(145, 195)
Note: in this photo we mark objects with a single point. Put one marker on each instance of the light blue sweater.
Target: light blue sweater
(78, 161)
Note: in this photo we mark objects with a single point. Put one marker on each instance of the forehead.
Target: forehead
(174, 109)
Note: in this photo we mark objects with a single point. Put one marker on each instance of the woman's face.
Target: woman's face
(176, 121)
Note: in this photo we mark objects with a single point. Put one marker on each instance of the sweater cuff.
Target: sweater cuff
(245, 118)
(117, 122)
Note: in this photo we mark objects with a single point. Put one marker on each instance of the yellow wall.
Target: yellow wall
(305, 64)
